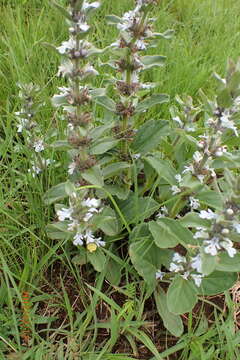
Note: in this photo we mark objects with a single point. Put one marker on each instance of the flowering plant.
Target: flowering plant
(166, 190)
(33, 143)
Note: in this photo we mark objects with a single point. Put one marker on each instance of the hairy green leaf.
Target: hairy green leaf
(152, 100)
(149, 136)
(172, 322)
(181, 296)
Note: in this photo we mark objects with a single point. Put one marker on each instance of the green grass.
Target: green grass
(73, 316)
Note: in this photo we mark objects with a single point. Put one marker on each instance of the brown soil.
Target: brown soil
(154, 328)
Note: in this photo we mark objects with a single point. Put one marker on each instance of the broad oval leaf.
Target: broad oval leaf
(168, 233)
(97, 259)
(149, 135)
(140, 254)
(181, 296)
(211, 198)
(136, 209)
(152, 100)
(57, 192)
(153, 60)
(121, 191)
(103, 145)
(61, 145)
(209, 263)
(58, 231)
(226, 263)
(107, 221)
(193, 220)
(217, 282)
(163, 168)
(168, 34)
(115, 168)
(158, 257)
(162, 234)
(172, 322)
(113, 273)
(106, 102)
(94, 176)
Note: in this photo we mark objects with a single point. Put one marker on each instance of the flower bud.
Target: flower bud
(225, 231)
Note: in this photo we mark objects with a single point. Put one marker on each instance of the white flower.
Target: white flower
(99, 242)
(197, 279)
(160, 274)
(135, 77)
(91, 239)
(237, 101)
(67, 46)
(221, 150)
(72, 167)
(178, 258)
(65, 69)
(201, 144)
(72, 225)
(136, 156)
(78, 239)
(188, 168)
(70, 127)
(185, 275)
(140, 44)
(88, 216)
(35, 170)
(89, 236)
(197, 156)
(38, 145)
(83, 27)
(211, 121)
(93, 5)
(230, 211)
(48, 162)
(229, 124)
(196, 263)
(200, 178)
(116, 44)
(175, 268)
(64, 90)
(175, 189)
(58, 99)
(212, 246)
(163, 212)
(178, 120)
(194, 203)
(235, 108)
(209, 214)
(178, 177)
(22, 124)
(201, 234)
(147, 86)
(65, 213)
(127, 20)
(225, 231)
(236, 227)
(227, 244)
(89, 70)
(91, 203)
(190, 128)
(211, 170)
